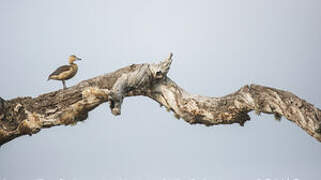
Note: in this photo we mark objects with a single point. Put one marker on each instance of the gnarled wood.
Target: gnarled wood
(27, 116)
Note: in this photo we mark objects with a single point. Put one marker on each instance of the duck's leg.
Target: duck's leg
(64, 84)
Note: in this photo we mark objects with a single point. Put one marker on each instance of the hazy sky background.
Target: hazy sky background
(218, 46)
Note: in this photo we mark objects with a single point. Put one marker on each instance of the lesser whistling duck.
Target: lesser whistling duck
(65, 72)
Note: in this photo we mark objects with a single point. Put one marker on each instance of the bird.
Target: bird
(65, 72)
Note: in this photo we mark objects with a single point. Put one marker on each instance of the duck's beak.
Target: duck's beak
(78, 58)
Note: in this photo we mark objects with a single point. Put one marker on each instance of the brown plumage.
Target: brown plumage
(65, 72)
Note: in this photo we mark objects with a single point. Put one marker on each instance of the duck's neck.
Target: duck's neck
(74, 66)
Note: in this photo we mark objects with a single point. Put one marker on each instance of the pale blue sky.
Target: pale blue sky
(218, 46)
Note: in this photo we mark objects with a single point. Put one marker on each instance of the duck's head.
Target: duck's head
(73, 58)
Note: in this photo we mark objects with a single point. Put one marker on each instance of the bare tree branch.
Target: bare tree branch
(27, 116)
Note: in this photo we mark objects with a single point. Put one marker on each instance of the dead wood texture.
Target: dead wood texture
(27, 115)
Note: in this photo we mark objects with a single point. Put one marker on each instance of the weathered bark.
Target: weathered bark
(27, 116)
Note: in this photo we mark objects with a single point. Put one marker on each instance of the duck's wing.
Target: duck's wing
(60, 70)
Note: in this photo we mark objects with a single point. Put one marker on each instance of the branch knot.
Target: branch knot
(160, 70)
